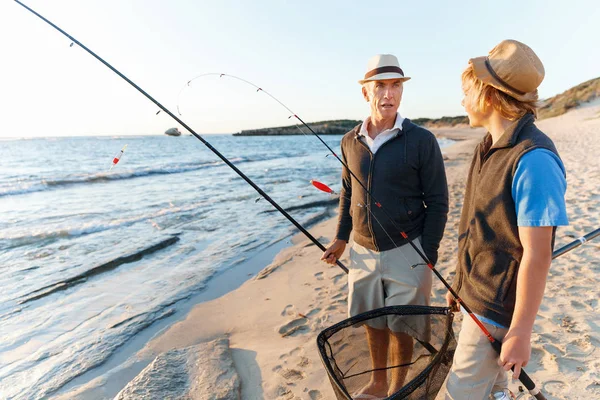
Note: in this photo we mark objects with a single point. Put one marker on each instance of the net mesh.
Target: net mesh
(398, 352)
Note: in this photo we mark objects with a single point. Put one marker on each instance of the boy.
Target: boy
(513, 202)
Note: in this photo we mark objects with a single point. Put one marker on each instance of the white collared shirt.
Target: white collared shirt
(375, 144)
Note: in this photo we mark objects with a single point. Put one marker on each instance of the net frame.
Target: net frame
(441, 355)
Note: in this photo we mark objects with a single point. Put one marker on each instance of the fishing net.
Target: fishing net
(418, 357)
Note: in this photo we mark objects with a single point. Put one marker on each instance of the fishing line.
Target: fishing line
(324, 188)
(206, 143)
(258, 89)
(523, 376)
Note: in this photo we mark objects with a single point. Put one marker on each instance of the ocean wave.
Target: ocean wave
(97, 270)
(12, 240)
(319, 203)
(103, 177)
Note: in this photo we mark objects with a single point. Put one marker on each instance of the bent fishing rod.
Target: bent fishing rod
(497, 345)
(206, 143)
(523, 377)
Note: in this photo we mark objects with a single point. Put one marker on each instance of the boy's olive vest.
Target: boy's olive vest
(489, 249)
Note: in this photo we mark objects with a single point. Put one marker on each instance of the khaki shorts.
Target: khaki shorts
(475, 372)
(381, 279)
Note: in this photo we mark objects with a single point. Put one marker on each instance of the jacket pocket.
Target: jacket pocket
(493, 276)
(360, 218)
(410, 208)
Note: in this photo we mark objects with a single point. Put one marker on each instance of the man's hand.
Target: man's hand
(451, 301)
(516, 351)
(334, 251)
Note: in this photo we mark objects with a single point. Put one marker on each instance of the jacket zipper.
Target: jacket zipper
(369, 222)
(369, 182)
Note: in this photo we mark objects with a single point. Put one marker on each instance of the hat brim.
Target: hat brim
(385, 76)
(483, 74)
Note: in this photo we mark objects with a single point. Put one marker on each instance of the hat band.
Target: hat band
(382, 70)
(493, 73)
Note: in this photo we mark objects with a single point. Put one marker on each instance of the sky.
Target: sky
(308, 54)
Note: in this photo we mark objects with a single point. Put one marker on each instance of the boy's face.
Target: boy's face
(469, 102)
(384, 96)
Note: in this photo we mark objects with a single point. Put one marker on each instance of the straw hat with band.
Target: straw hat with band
(513, 68)
(381, 67)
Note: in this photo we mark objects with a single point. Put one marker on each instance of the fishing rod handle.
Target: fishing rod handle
(523, 377)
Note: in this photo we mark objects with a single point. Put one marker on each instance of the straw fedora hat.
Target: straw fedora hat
(383, 66)
(513, 68)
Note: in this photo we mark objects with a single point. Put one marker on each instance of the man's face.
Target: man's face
(469, 102)
(384, 96)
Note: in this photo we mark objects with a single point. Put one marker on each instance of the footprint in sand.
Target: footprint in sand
(537, 355)
(297, 325)
(338, 296)
(284, 393)
(580, 345)
(337, 277)
(550, 348)
(569, 365)
(292, 375)
(313, 312)
(315, 395)
(304, 362)
(320, 323)
(319, 276)
(555, 387)
(594, 387)
(580, 306)
(288, 310)
(290, 353)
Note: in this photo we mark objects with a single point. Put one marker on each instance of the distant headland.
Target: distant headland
(552, 107)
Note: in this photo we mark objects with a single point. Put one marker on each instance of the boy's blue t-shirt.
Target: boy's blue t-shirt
(538, 190)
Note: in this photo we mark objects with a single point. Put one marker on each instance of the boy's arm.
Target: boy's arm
(531, 282)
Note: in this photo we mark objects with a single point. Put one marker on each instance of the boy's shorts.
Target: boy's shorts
(475, 372)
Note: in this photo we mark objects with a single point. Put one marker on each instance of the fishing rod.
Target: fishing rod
(497, 345)
(206, 143)
(576, 243)
(523, 376)
(324, 188)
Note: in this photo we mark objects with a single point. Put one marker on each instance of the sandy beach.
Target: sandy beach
(259, 341)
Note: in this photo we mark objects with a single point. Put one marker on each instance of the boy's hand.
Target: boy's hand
(334, 252)
(516, 351)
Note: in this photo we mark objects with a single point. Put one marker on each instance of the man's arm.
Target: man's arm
(344, 227)
(531, 282)
(435, 196)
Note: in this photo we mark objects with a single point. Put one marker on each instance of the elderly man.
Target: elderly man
(401, 165)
